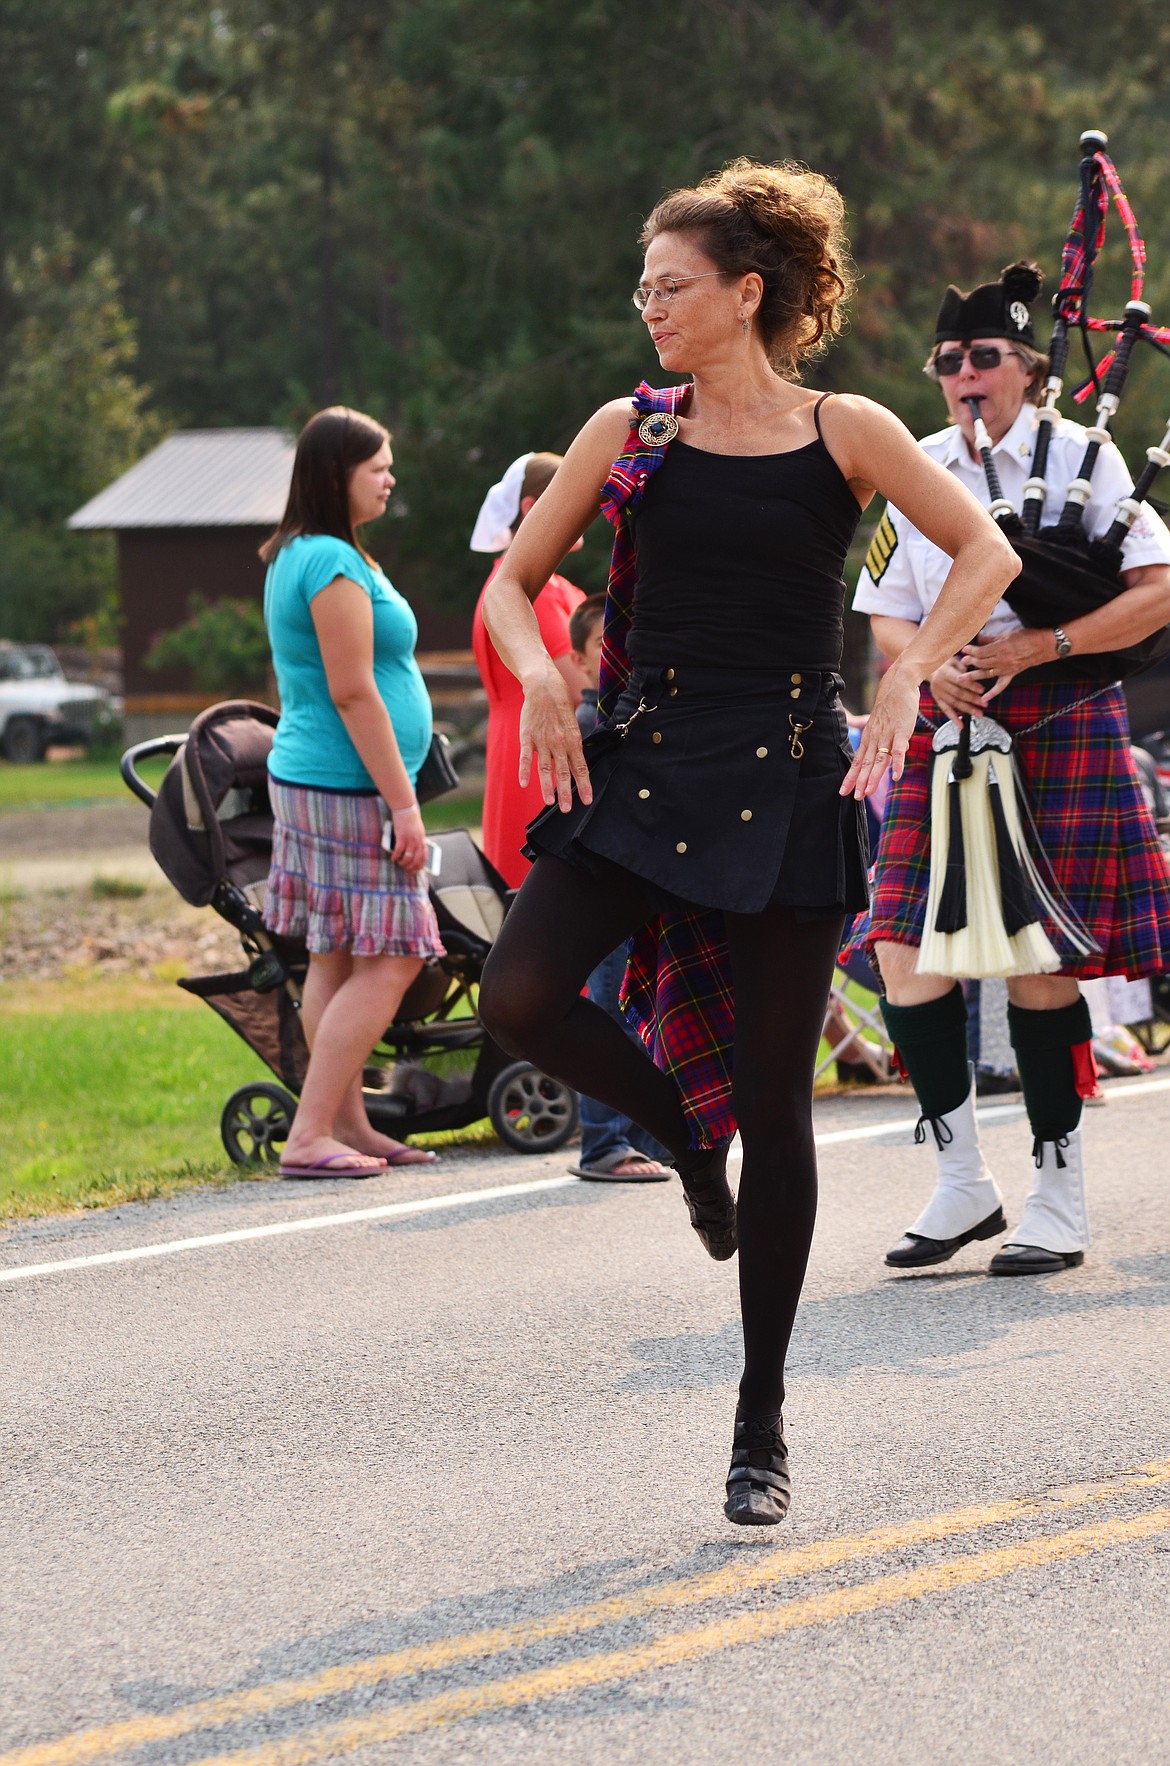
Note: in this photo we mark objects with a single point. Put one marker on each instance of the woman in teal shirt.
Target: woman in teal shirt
(355, 726)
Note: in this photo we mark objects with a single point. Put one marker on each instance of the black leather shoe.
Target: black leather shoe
(759, 1488)
(1033, 1260)
(709, 1201)
(994, 1085)
(913, 1251)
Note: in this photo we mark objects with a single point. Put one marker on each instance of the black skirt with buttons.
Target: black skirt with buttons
(720, 789)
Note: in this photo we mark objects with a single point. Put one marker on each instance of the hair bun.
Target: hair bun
(1022, 280)
(782, 223)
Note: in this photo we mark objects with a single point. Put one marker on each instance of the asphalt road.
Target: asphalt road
(444, 1485)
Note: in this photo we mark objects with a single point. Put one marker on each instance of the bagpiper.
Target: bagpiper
(1052, 689)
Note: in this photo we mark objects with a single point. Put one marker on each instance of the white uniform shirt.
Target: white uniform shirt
(904, 571)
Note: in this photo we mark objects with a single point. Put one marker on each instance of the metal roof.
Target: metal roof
(199, 478)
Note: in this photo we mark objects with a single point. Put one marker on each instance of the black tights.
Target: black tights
(561, 925)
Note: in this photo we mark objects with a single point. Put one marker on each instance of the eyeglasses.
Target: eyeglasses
(667, 290)
(983, 355)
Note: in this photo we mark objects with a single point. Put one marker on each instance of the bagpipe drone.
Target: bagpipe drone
(987, 895)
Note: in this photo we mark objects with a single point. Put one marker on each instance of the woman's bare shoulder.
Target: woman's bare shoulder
(611, 422)
(863, 436)
(860, 415)
(598, 442)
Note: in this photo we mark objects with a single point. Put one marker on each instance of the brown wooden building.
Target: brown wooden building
(189, 519)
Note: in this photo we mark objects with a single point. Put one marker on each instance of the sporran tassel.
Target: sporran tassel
(986, 920)
(1020, 904)
(952, 906)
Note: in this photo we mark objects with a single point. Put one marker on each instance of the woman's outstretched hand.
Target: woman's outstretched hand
(550, 738)
(886, 735)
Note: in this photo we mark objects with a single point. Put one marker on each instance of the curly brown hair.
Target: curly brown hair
(786, 223)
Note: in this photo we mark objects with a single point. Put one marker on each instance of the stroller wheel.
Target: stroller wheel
(255, 1123)
(531, 1112)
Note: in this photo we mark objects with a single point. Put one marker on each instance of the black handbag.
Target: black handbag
(436, 775)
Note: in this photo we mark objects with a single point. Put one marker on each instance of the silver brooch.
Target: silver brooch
(658, 429)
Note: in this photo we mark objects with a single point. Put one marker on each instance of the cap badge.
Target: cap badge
(658, 429)
(1019, 315)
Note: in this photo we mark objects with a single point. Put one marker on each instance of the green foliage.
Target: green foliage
(431, 211)
(222, 644)
(71, 418)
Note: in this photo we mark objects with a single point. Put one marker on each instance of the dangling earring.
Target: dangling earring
(743, 325)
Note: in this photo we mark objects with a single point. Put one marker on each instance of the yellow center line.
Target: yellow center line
(617, 1666)
(732, 1580)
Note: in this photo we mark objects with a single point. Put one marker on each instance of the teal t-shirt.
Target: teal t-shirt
(312, 745)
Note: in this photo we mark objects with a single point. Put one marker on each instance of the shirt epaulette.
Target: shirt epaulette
(881, 548)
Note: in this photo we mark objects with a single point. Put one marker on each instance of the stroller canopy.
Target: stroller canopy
(212, 819)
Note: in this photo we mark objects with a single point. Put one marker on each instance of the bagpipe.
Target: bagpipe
(988, 897)
(1066, 571)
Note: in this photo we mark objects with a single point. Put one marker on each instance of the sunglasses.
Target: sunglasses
(983, 355)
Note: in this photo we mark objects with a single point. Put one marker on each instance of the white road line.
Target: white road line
(987, 1113)
(389, 1212)
(469, 1198)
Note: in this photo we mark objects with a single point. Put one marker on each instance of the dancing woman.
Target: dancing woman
(718, 818)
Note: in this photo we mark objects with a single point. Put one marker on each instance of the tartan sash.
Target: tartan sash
(677, 991)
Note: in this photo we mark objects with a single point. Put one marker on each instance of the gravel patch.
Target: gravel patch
(71, 934)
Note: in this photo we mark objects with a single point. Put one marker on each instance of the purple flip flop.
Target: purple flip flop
(330, 1166)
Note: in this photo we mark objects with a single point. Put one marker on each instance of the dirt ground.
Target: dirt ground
(72, 828)
(56, 934)
(61, 915)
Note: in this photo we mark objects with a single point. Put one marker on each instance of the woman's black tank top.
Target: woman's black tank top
(740, 559)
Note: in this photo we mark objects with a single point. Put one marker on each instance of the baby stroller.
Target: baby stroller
(435, 1067)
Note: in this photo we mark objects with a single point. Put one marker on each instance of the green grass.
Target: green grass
(57, 784)
(115, 1104)
(112, 1092)
(463, 809)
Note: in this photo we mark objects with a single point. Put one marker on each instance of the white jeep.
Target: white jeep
(39, 707)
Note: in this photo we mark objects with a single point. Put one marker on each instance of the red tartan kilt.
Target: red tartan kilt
(1091, 818)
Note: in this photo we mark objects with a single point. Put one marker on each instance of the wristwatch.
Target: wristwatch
(1063, 644)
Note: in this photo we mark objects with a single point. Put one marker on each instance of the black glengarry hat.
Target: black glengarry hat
(994, 309)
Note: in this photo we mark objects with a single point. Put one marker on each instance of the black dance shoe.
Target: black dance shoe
(709, 1201)
(759, 1488)
(1033, 1260)
(913, 1251)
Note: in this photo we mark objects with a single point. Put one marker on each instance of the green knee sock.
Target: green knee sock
(1044, 1044)
(932, 1041)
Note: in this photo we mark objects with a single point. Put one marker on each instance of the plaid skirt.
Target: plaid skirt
(1091, 819)
(333, 885)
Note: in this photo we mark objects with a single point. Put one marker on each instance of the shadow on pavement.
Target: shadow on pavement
(453, 1618)
(897, 1325)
